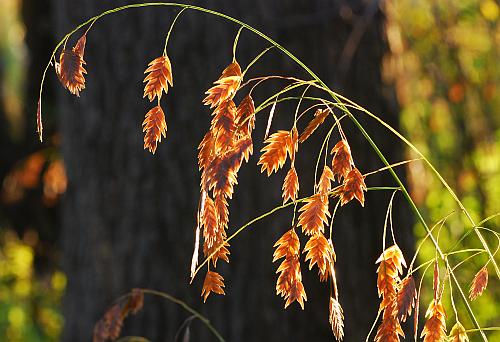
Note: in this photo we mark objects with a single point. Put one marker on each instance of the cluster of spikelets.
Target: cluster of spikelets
(70, 71)
(399, 297)
(223, 149)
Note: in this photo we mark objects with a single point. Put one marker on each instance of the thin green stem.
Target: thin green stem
(186, 307)
(235, 43)
(256, 58)
(170, 30)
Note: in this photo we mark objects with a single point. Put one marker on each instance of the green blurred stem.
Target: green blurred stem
(186, 307)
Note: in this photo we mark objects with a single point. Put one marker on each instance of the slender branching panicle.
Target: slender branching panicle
(228, 144)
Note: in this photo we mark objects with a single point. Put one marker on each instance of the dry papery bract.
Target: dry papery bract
(70, 68)
(435, 326)
(109, 327)
(479, 283)
(391, 266)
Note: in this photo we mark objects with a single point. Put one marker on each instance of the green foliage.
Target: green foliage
(29, 309)
(444, 62)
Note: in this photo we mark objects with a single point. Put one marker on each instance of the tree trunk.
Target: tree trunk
(129, 217)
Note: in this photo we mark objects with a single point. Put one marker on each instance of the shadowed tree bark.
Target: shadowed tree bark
(129, 217)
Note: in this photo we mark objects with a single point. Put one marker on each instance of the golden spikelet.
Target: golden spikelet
(209, 221)
(342, 161)
(222, 210)
(223, 126)
(319, 117)
(435, 326)
(288, 244)
(70, 68)
(325, 181)
(336, 319)
(319, 252)
(155, 127)
(245, 117)
(225, 87)
(458, 333)
(213, 283)
(407, 295)
(275, 151)
(159, 78)
(289, 284)
(219, 248)
(206, 151)
(479, 283)
(221, 176)
(391, 265)
(290, 186)
(354, 187)
(314, 214)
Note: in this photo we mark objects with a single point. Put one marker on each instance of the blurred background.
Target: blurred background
(88, 214)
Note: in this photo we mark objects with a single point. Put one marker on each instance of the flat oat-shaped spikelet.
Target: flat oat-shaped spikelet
(319, 252)
(209, 221)
(325, 181)
(278, 145)
(407, 296)
(223, 125)
(342, 161)
(354, 187)
(479, 283)
(319, 117)
(225, 87)
(391, 265)
(336, 319)
(435, 326)
(213, 283)
(159, 77)
(245, 116)
(458, 333)
(70, 68)
(290, 185)
(314, 214)
(289, 284)
(155, 127)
